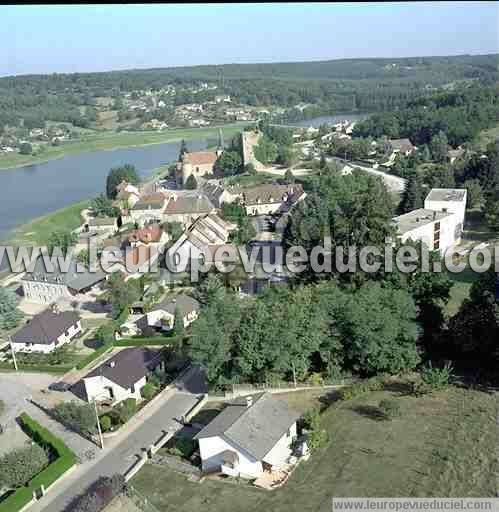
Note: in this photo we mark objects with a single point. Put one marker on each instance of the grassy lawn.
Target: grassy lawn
(475, 232)
(460, 289)
(102, 140)
(38, 231)
(442, 445)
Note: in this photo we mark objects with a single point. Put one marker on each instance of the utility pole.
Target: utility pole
(13, 354)
(98, 425)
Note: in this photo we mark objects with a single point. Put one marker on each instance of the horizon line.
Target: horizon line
(154, 68)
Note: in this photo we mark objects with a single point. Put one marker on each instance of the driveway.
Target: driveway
(122, 451)
(15, 388)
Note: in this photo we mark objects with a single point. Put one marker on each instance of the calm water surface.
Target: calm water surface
(33, 190)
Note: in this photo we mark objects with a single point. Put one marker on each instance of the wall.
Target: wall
(42, 292)
(262, 208)
(94, 387)
(449, 229)
(211, 450)
(281, 451)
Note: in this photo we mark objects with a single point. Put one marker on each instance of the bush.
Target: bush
(317, 437)
(182, 447)
(19, 466)
(148, 391)
(105, 423)
(436, 378)
(99, 495)
(126, 409)
(390, 408)
(78, 417)
(361, 388)
(65, 459)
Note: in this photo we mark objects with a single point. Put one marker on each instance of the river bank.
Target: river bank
(111, 141)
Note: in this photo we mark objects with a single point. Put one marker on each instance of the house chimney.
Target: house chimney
(249, 401)
(112, 364)
(55, 308)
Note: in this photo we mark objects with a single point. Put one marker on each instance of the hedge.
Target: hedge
(94, 355)
(64, 461)
(45, 368)
(139, 342)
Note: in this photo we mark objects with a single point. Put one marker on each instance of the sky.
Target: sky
(78, 38)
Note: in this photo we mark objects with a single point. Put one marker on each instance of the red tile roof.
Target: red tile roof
(200, 157)
(151, 233)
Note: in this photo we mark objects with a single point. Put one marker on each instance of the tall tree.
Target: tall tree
(10, 316)
(191, 182)
(116, 175)
(412, 198)
(439, 146)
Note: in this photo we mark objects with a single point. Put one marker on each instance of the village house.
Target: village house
(102, 225)
(198, 164)
(185, 208)
(46, 285)
(402, 146)
(127, 194)
(217, 193)
(120, 377)
(162, 315)
(439, 224)
(203, 232)
(47, 331)
(455, 154)
(269, 199)
(223, 98)
(252, 435)
(149, 208)
(151, 234)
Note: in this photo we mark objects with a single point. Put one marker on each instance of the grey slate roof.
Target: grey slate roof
(46, 327)
(72, 279)
(256, 428)
(446, 194)
(186, 204)
(182, 302)
(417, 218)
(130, 365)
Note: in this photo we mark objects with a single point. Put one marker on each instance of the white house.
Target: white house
(162, 315)
(47, 331)
(439, 224)
(251, 435)
(122, 376)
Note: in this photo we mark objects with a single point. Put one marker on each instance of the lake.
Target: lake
(317, 121)
(34, 190)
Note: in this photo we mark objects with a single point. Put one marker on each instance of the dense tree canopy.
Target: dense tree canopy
(116, 175)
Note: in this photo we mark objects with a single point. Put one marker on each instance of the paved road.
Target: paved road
(123, 450)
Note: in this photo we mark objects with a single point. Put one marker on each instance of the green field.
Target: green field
(38, 231)
(442, 445)
(108, 141)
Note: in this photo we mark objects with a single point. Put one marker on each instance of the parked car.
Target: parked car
(59, 386)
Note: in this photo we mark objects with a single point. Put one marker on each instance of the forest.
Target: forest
(354, 85)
